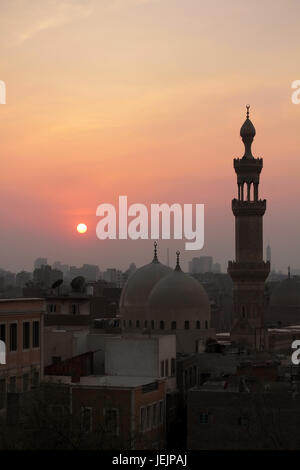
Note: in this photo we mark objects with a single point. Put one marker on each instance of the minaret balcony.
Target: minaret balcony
(245, 208)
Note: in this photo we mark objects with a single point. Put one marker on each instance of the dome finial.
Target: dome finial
(177, 268)
(248, 107)
(155, 259)
(289, 272)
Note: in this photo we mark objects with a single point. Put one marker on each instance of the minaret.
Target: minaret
(249, 271)
(268, 254)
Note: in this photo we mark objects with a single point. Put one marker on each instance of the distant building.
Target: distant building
(45, 276)
(64, 268)
(203, 264)
(90, 272)
(39, 262)
(22, 278)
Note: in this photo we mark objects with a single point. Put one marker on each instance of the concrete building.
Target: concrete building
(240, 414)
(126, 412)
(21, 329)
(142, 356)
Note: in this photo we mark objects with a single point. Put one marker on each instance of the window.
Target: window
(143, 419)
(152, 324)
(154, 415)
(74, 309)
(162, 325)
(198, 324)
(25, 383)
(26, 335)
(130, 323)
(2, 393)
(173, 325)
(52, 308)
(173, 367)
(111, 421)
(86, 419)
(35, 379)
(146, 324)
(203, 418)
(3, 333)
(167, 367)
(244, 421)
(161, 412)
(12, 387)
(148, 417)
(124, 323)
(138, 323)
(13, 337)
(162, 368)
(186, 325)
(206, 324)
(36, 334)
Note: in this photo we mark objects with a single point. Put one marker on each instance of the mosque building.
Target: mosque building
(159, 300)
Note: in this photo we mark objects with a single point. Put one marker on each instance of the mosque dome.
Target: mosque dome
(178, 301)
(136, 291)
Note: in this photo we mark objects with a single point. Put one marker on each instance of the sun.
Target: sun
(81, 228)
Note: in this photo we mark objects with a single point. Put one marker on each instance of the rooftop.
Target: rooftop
(110, 381)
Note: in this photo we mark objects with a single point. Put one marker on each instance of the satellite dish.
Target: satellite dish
(78, 283)
(57, 283)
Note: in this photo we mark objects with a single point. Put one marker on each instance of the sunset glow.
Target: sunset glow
(81, 228)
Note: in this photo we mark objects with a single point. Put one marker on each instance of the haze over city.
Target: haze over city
(144, 99)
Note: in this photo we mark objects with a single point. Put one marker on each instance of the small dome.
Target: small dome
(248, 129)
(135, 293)
(180, 298)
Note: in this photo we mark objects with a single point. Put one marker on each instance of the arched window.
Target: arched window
(198, 324)
(206, 324)
(152, 324)
(138, 323)
(130, 323)
(186, 325)
(173, 325)
(162, 325)
(146, 324)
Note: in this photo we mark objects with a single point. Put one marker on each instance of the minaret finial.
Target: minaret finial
(177, 268)
(289, 272)
(248, 107)
(155, 259)
(247, 133)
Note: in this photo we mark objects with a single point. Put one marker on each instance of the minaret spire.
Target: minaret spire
(177, 268)
(155, 259)
(247, 133)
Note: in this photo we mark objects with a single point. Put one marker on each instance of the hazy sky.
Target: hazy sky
(143, 98)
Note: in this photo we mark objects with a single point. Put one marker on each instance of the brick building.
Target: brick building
(21, 329)
(118, 412)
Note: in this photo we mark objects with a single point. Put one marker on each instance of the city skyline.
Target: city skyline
(96, 108)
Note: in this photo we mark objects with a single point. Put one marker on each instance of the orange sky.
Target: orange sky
(143, 98)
